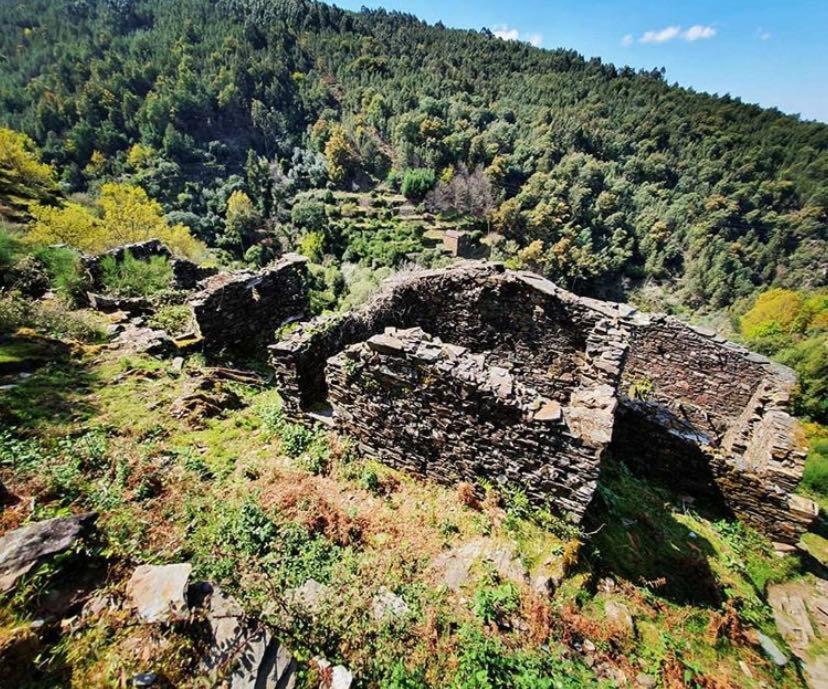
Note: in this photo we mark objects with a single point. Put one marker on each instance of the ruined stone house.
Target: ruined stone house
(478, 373)
(185, 273)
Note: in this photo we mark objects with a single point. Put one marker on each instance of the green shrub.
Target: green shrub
(815, 478)
(402, 678)
(309, 215)
(65, 463)
(417, 182)
(495, 603)
(133, 278)
(394, 179)
(65, 271)
(312, 245)
(370, 480)
(295, 439)
(10, 249)
(175, 319)
(809, 358)
(485, 663)
(53, 318)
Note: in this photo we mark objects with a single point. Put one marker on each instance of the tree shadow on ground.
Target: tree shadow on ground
(637, 536)
(46, 384)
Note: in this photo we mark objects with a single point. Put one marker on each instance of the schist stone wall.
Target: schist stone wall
(454, 416)
(456, 397)
(716, 416)
(186, 274)
(548, 336)
(238, 313)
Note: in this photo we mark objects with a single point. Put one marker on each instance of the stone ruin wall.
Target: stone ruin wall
(714, 419)
(440, 411)
(718, 421)
(548, 339)
(238, 313)
(702, 378)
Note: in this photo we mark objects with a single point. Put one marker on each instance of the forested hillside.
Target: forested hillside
(600, 177)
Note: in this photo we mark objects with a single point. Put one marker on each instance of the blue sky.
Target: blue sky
(771, 53)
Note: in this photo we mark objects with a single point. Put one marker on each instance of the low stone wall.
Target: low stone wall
(443, 412)
(239, 313)
(703, 379)
(703, 413)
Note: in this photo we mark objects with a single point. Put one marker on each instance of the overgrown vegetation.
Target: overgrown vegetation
(601, 177)
(259, 506)
(792, 326)
(131, 277)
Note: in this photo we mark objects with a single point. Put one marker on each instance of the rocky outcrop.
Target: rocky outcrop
(239, 313)
(510, 378)
(239, 651)
(23, 549)
(800, 610)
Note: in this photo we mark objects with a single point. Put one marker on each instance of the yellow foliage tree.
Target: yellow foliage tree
(507, 218)
(70, 224)
(775, 311)
(139, 156)
(24, 179)
(122, 214)
(339, 155)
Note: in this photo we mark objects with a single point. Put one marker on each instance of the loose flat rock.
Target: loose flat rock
(619, 615)
(159, 592)
(800, 610)
(137, 339)
(387, 605)
(454, 566)
(334, 677)
(771, 650)
(309, 595)
(262, 663)
(24, 548)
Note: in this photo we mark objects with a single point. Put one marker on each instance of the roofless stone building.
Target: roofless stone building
(476, 372)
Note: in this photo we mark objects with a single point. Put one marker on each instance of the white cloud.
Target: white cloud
(668, 33)
(698, 32)
(506, 33)
(762, 35)
(509, 34)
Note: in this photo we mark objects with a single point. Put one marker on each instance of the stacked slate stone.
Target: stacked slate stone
(441, 411)
(239, 313)
(675, 401)
(718, 418)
